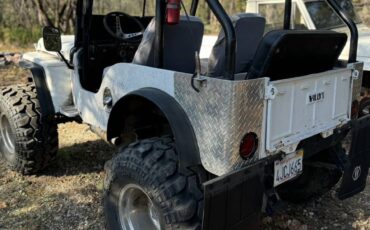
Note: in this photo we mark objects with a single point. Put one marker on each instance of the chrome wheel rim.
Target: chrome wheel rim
(137, 211)
(7, 142)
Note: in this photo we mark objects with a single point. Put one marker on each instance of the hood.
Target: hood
(67, 45)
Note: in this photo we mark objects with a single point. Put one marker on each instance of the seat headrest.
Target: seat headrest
(249, 29)
(292, 53)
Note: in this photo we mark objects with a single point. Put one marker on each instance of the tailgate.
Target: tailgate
(306, 106)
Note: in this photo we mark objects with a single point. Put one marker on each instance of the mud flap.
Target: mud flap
(234, 201)
(357, 169)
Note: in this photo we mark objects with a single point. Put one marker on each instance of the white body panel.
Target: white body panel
(67, 45)
(307, 106)
(118, 79)
(58, 78)
(207, 45)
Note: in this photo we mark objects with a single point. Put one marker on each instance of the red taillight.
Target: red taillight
(249, 145)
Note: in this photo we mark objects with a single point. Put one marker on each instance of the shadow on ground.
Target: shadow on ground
(88, 157)
(65, 195)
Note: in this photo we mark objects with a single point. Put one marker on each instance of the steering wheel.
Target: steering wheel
(118, 33)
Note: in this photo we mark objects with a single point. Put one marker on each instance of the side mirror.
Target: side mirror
(52, 38)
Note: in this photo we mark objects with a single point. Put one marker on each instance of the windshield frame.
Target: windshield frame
(356, 18)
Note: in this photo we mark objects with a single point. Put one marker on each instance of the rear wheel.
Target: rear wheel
(144, 190)
(28, 141)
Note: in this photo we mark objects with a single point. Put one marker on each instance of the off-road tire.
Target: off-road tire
(152, 164)
(35, 136)
(319, 176)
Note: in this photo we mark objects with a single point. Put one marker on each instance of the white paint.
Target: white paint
(292, 118)
(121, 79)
(58, 77)
(67, 45)
(207, 45)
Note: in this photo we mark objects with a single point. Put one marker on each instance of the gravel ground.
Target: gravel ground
(67, 195)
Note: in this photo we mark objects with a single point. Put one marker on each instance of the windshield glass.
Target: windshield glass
(133, 8)
(324, 17)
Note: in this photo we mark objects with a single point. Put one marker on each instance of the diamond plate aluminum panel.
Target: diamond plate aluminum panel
(221, 114)
(357, 84)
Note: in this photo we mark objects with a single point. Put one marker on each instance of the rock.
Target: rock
(294, 225)
(344, 216)
(3, 205)
(267, 220)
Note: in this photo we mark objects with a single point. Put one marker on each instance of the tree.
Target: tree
(58, 13)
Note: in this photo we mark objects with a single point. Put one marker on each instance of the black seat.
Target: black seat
(249, 30)
(180, 44)
(292, 53)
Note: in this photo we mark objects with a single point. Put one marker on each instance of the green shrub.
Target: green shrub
(19, 36)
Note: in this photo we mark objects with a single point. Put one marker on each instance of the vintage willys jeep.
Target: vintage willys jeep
(199, 147)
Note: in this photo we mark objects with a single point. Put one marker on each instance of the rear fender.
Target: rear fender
(154, 99)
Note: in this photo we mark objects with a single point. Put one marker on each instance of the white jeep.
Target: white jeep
(197, 148)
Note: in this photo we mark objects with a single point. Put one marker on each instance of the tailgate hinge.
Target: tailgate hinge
(355, 74)
(270, 92)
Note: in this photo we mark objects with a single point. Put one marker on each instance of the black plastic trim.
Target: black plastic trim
(186, 142)
(357, 169)
(234, 201)
(43, 93)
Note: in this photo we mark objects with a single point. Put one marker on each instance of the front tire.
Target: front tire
(28, 141)
(144, 190)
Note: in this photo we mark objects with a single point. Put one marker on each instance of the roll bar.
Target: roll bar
(352, 57)
(287, 14)
(160, 13)
(194, 7)
(230, 36)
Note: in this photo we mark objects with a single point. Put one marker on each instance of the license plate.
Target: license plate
(288, 168)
